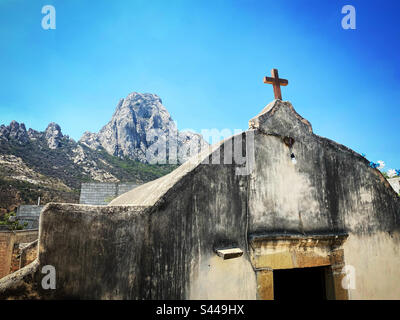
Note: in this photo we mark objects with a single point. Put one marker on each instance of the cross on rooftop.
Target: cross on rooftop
(276, 82)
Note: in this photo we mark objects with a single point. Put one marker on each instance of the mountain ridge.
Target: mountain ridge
(52, 165)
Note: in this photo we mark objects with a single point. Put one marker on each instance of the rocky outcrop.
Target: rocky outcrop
(53, 135)
(17, 132)
(138, 121)
(33, 134)
(14, 131)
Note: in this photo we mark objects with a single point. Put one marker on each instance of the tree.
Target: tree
(11, 222)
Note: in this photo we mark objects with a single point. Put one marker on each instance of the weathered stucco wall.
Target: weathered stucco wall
(165, 249)
(151, 253)
(330, 189)
(215, 278)
(376, 262)
(97, 251)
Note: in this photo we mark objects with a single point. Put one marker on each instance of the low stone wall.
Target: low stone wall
(10, 240)
(23, 254)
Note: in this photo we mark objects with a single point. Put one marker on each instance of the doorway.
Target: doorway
(300, 284)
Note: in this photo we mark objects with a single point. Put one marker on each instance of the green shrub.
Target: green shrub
(11, 223)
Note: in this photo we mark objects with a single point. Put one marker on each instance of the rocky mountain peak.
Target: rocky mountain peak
(131, 129)
(4, 132)
(136, 96)
(53, 135)
(15, 131)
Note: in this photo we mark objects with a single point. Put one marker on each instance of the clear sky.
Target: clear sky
(206, 60)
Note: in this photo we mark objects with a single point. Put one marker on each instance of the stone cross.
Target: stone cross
(276, 82)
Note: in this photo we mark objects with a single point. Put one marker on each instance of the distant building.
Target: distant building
(395, 183)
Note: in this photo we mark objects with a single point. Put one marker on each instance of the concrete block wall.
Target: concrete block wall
(29, 214)
(94, 193)
(125, 187)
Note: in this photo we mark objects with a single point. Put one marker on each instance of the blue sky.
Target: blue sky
(206, 60)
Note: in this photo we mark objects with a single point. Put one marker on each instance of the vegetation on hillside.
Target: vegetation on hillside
(128, 170)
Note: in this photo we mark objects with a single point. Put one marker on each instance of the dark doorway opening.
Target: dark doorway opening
(300, 283)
